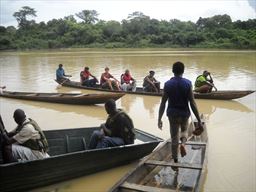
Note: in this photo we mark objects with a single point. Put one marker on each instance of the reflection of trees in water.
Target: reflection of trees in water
(150, 105)
(208, 107)
(127, 101)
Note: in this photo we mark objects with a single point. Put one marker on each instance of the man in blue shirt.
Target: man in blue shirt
(60, 74)
(178, 92)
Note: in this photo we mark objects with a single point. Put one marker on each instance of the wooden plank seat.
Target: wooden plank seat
(143, 188)
(56, 95)
(80, 95)
(171, 164)
(32, 94)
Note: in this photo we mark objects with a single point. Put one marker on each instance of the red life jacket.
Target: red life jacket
(126, 78)
(85, 75)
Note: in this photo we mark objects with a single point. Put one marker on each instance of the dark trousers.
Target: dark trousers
(175, 124)
(99, 140)
(89, 82)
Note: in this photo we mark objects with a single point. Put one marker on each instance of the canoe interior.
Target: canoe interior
(67, 141)
(156, 172)
(219, 95)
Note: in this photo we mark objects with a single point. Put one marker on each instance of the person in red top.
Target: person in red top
(85, 78)
(128, 83)
(108, 81)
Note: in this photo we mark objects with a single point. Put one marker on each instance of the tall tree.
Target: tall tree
(88, 16)
(22, 14)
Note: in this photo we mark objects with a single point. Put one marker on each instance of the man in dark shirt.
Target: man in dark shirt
(178, 92)
(118, 129)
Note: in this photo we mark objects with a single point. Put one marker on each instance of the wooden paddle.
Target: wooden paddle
(60, 84)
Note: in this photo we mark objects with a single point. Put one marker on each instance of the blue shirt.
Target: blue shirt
(178, 90)
(60, 73)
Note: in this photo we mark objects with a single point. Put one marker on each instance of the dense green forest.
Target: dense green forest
(84, 29)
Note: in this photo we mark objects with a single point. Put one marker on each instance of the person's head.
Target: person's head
(127, 72)
(60, 65)
(106, 69)
(151, 73)
(19, 116)
(178, 68)
(110, 106)
(86, 68)
(206, 73)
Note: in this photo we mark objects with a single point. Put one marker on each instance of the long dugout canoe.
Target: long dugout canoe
(69, 158)
(219, 95)
(65, 98)
(159, 173)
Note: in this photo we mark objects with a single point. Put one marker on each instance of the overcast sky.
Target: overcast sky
(118, 10)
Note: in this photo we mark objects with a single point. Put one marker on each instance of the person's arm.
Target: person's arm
(8, 140)
(105, 129)
(161, 110)
(194, 107)
(66, 75)
(151, 83)
(122, 79)
(94, 77)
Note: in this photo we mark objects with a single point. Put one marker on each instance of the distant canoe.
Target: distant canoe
(155, 173)
(65, 98)
(219, 95)
(70, 159)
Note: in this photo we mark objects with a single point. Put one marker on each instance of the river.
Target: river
(231, 124)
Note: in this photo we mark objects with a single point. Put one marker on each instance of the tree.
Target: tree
(88, 16)
(22, 14)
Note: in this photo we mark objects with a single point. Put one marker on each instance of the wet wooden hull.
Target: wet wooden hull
(156, 172)
(70, 159)
(65, 98)
(219, 95)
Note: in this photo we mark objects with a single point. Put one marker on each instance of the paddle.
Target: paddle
(60, 84)
(211, 81)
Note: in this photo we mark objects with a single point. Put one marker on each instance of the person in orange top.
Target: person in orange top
(108, 81)
(85, 78)
(128, 83)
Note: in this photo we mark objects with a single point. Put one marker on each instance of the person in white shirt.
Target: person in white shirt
(25, 142)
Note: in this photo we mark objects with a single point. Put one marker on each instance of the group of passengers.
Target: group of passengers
(28, 142)
(203, 84)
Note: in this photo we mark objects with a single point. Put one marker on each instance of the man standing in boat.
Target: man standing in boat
(60, 74)
(25, 142)
(118, 129)
(178, 91)
(203, 84)
(85, 78)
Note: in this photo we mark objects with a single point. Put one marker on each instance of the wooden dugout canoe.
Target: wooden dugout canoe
(219, 95)
(70, 159)
(65, 98)
(155, 173)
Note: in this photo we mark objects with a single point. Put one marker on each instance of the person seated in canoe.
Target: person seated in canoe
(150, 84)
(26, 142)
(85, 78)
(203, 84)
(1, 89)
(128, 83)
(108, 81)
(118, 129)
(60, 74)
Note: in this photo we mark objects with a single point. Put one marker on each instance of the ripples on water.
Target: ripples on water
(231, 124)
